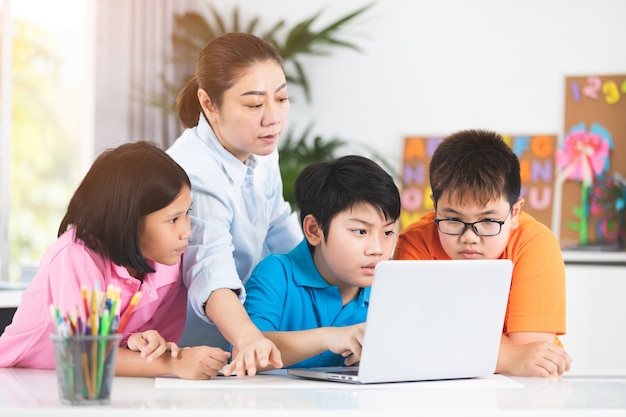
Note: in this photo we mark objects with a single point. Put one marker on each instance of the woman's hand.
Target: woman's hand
(258, 352)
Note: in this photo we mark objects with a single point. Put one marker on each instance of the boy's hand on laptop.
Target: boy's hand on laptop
(346, 341)
(538, 358)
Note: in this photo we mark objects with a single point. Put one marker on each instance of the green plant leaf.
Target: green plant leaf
(302, 80)
(296, 152)
(270, 35)
(251, 28)
(303, 40)
(222, 28)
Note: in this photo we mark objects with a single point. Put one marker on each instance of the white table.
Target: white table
(10, 298)
(25, 392)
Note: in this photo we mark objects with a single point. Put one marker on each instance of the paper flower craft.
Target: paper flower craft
(584, 156)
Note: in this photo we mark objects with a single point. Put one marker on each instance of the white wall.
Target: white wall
(596, 317)
(433, 67)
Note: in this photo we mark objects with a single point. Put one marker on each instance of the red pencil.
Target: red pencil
(128, 311)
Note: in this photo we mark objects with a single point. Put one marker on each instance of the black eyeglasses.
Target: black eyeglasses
(481, 228)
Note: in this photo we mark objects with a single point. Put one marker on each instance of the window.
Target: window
(46, 118)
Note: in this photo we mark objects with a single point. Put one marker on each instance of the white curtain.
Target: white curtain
(133, 53)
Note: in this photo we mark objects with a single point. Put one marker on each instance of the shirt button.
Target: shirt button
(129, 282)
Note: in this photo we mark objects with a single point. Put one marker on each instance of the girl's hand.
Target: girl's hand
(151, 345)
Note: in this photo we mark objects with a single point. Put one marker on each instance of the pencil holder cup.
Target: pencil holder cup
(85, 367)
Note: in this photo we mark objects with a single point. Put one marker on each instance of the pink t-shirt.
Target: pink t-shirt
(68, 264)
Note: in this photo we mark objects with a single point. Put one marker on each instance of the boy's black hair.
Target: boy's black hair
(122, 186)
(324, 189)
(477, 164)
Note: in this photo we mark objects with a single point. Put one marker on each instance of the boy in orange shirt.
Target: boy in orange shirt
(476, 184)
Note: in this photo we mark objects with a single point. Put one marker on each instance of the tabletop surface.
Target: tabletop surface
(27, 392)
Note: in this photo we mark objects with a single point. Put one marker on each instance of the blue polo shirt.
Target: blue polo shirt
(287, 293)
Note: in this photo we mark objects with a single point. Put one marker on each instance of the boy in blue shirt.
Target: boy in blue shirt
(312, 302)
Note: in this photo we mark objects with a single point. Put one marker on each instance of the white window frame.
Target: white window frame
(5, 136)
(6, 85)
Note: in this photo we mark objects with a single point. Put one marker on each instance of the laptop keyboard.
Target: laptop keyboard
(353, 372)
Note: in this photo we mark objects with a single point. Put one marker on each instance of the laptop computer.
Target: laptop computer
(429, 320)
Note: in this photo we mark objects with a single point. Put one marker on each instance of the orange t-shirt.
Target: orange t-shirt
(537, 296)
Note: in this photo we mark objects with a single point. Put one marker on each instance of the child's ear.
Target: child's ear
(312, 231)
(515, 212)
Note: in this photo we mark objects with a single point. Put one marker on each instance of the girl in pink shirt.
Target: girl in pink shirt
(127, 225)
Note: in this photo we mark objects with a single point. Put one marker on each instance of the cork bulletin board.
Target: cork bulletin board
(536, 154)
(591, 162)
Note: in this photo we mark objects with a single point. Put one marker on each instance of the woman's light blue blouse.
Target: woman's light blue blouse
(238, 214)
